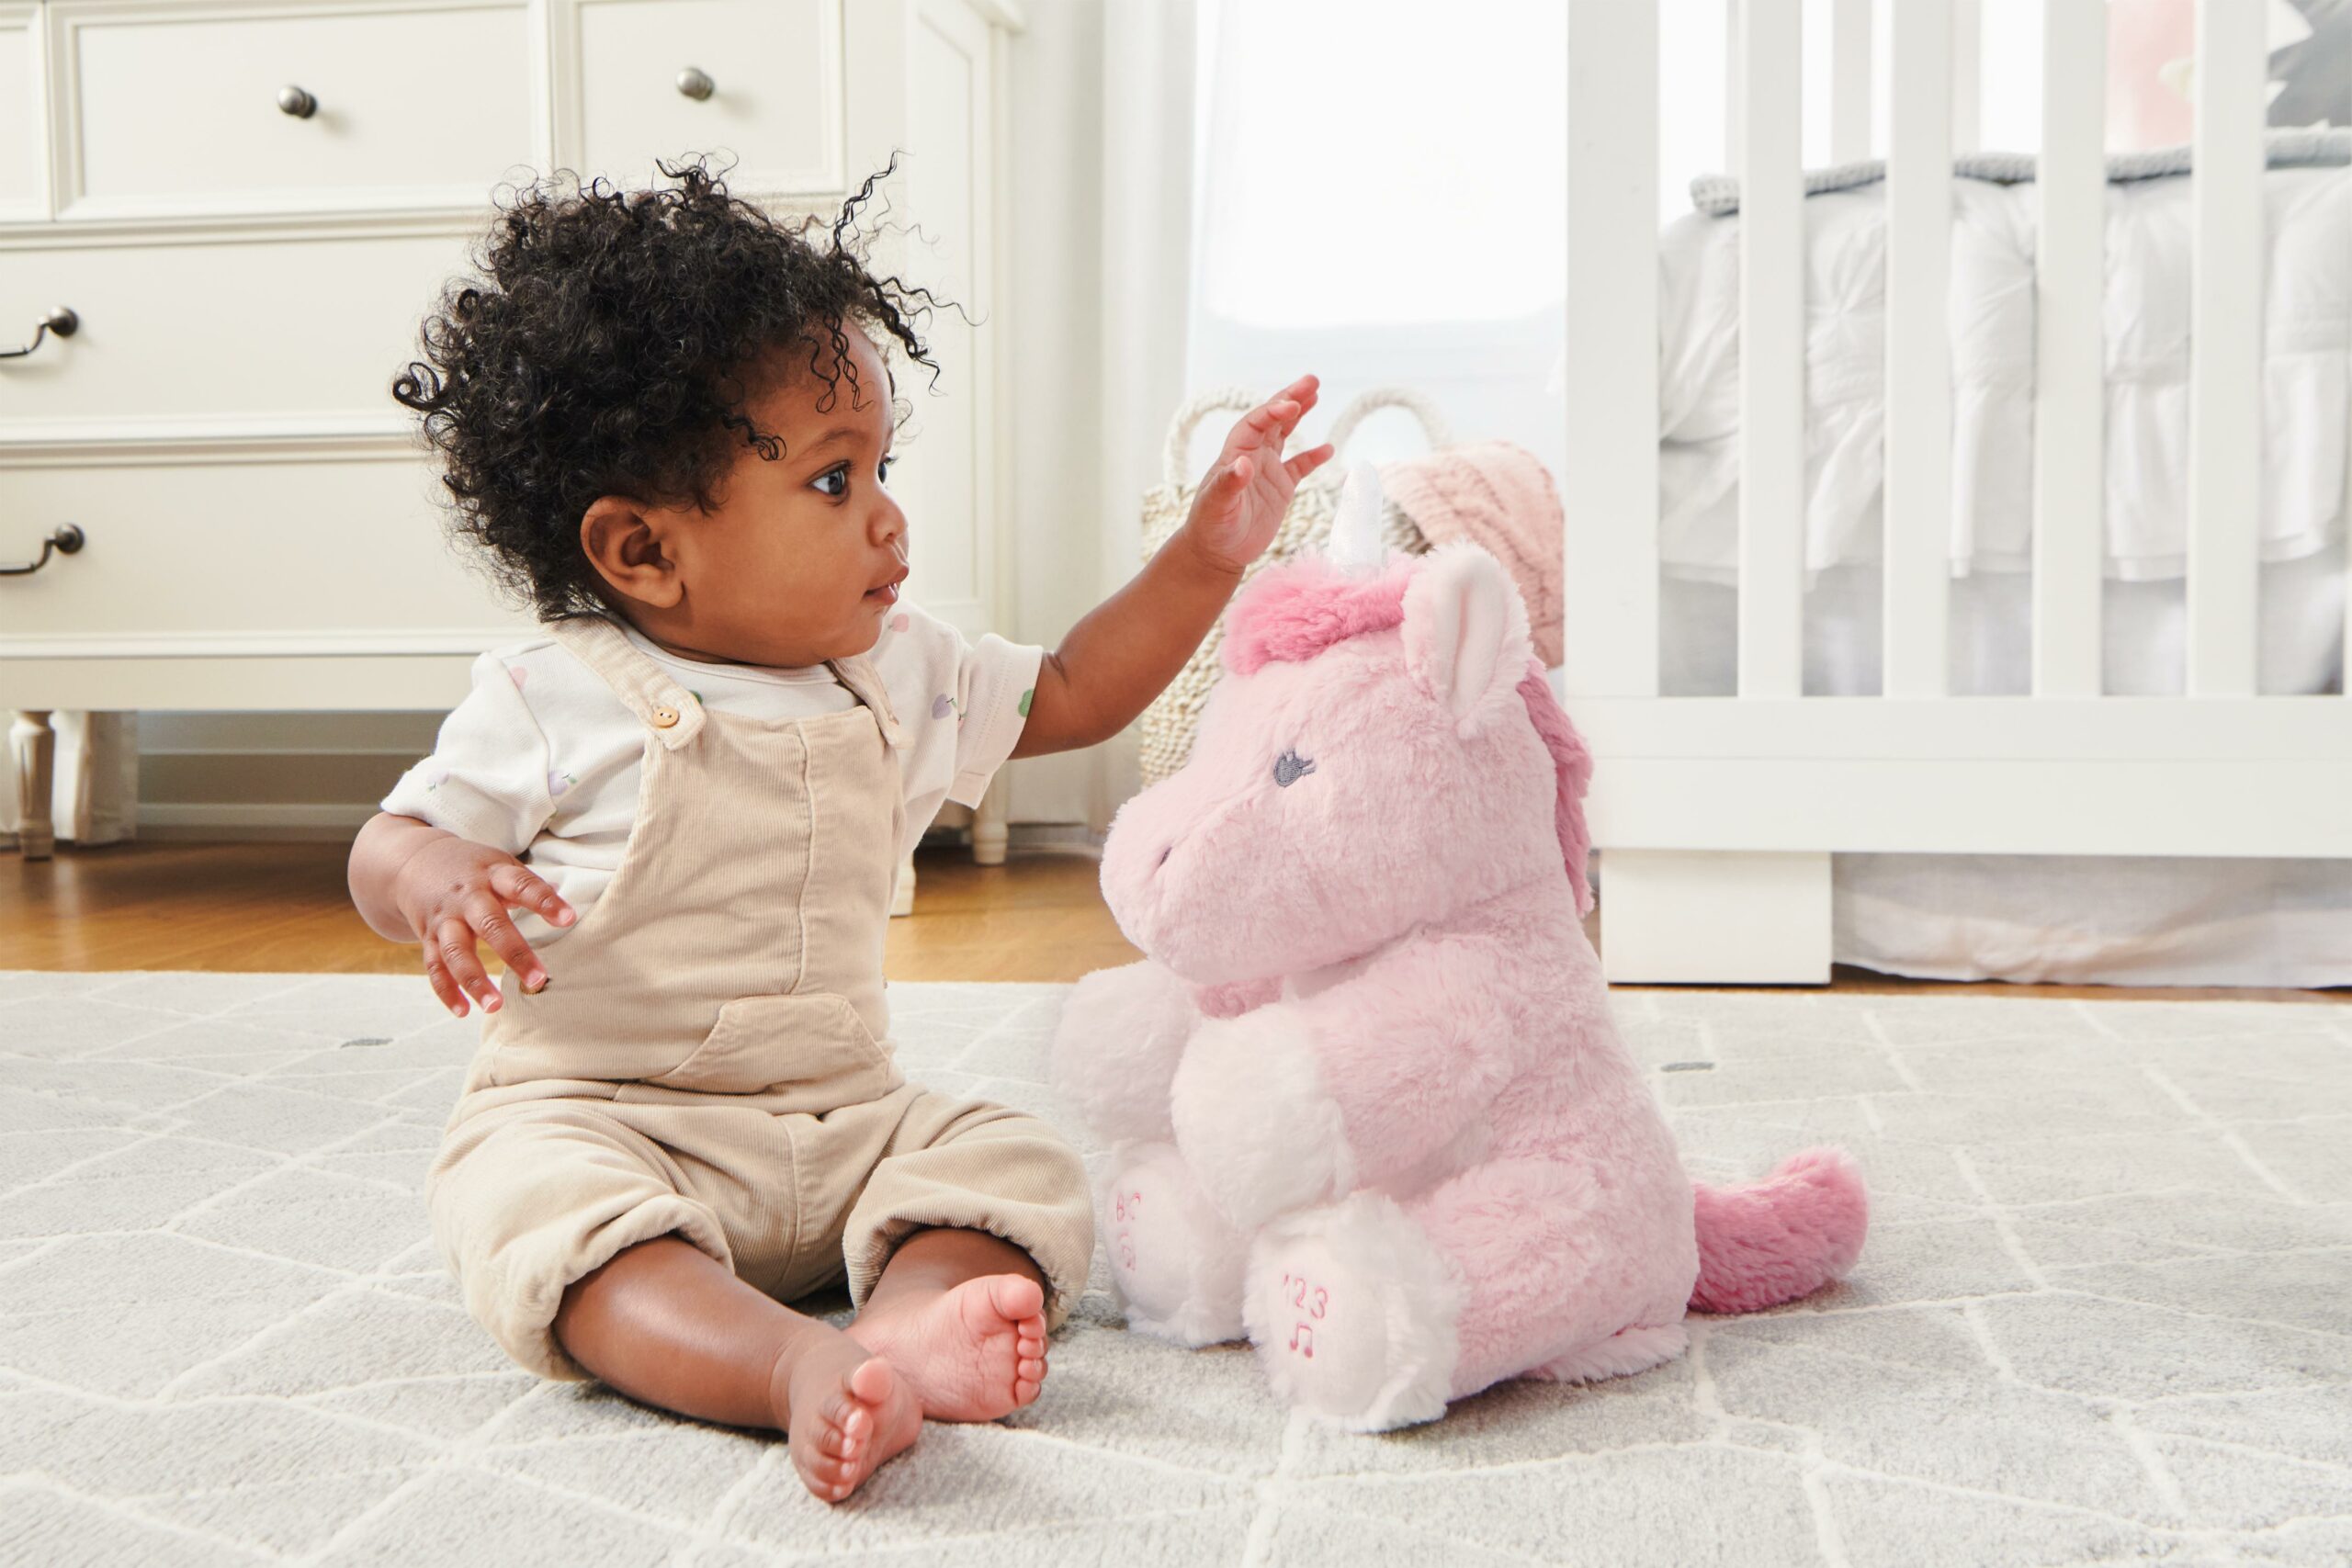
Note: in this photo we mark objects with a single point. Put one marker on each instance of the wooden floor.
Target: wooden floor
(284, 908)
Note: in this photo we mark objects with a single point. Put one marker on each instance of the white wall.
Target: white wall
(1053, 293)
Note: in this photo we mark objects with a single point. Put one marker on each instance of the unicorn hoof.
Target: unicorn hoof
(1174, 1261)
(1353, 1313)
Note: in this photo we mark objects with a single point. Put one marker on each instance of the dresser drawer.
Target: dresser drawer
(771, 70)
(224, 331)
(294, 558)
(175, 109)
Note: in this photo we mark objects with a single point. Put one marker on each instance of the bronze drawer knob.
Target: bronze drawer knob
(67, 540)
(62, 321)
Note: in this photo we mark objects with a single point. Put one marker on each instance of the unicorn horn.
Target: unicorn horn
(1355, 541)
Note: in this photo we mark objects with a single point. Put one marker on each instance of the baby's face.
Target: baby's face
(800, 561)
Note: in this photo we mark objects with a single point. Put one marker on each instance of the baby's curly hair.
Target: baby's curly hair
(610, 345)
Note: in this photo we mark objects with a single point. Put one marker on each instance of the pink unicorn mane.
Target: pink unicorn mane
(1294, 612)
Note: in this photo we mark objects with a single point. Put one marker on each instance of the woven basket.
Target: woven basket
(1167, 727)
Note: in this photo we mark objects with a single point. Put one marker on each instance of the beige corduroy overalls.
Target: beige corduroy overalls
(712, 1057)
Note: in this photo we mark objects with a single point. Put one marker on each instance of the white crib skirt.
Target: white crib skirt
(2096, 920)
(2077, 920)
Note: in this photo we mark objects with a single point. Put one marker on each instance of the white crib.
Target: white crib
(1717, 817)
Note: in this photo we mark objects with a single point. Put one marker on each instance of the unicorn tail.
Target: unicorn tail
(1763, 1243)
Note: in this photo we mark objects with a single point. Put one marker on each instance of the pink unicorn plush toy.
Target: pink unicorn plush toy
(1365, 1100)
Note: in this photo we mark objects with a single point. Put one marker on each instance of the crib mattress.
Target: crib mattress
(2306, 399)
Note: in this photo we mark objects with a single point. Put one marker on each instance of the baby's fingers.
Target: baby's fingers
(453, 945)
(487, 916)
(1267, 425)
(517, 886)
(1306, 463)
(437, 975)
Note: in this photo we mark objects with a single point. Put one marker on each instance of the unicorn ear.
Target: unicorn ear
(1355, 528)
(1466, 635)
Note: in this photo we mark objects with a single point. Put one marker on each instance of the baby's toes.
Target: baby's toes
(833, 1447)
(828, 1477)
(870, 1385)
(1017, 1299)
(837, 1440)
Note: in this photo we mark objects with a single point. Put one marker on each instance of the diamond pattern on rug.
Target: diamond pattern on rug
(2105, 1315)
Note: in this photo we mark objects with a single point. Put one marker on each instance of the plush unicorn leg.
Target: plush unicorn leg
(1115, 1054)
(1176, 1265)
(1352, 1311)
(1373, 1315)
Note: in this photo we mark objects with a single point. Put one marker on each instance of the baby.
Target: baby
(668, 421)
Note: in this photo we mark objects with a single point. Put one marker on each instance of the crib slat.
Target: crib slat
(2225, 365)
(1967, 72)
(2070, 391)
(1610, 585)
(1734, 91)
(1919, 349)
(1771, 358)
(1849, 81)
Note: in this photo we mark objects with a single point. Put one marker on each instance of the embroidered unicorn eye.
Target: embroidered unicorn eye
(1289, 766)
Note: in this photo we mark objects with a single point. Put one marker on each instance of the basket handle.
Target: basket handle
(1434, 426)
(1188, 420)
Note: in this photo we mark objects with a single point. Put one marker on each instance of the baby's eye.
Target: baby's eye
(1289, 766)
(882, 469)
(833, 481)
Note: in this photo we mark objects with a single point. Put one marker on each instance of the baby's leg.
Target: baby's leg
(972, 1234)
(961, 1316)
(665, 1323)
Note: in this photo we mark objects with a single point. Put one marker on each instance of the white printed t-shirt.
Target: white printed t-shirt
(542, 760)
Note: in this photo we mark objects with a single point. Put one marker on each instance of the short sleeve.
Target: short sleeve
(487, 778)
(962, 704)
(998, 680)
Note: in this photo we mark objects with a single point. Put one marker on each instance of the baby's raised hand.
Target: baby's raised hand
(1241, 501)
(453, 891)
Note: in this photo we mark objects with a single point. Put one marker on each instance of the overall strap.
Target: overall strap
(644, 687)
(865, 682)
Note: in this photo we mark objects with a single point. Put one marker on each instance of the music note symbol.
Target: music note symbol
(1302, 1339)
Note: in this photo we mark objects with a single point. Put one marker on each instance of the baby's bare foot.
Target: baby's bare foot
(972, 1353)
(845, 1409)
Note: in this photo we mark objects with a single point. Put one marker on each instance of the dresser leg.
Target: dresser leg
(35, 747)
(902, 897)
(989, 834)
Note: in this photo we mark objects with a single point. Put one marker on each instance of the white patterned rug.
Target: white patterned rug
(2105, 1315)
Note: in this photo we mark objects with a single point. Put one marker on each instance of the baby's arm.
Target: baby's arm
(437, 864)
(1125, 651)
(411, 882)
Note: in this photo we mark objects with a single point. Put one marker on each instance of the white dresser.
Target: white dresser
(246, 206)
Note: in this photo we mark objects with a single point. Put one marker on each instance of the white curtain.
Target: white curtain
(94, 794)
(1147, 259)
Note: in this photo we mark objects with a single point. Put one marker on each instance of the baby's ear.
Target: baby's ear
(1466, 635)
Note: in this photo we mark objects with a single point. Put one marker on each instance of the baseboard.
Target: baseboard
(187, 823)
